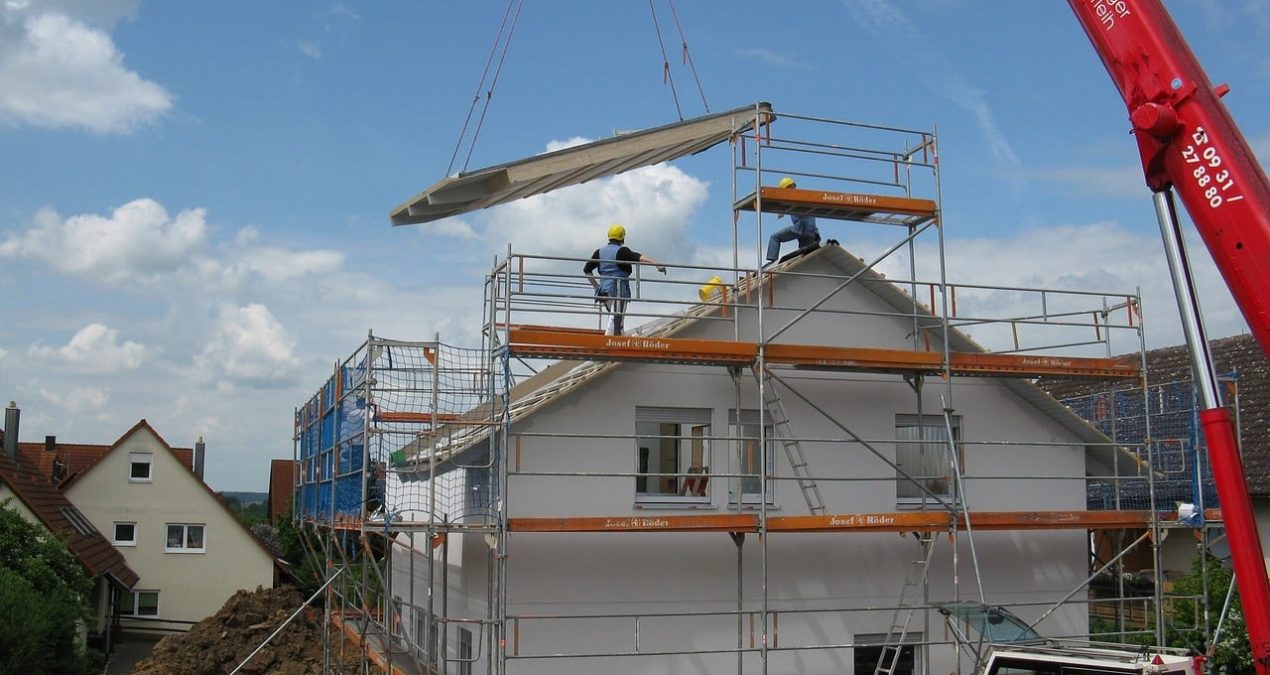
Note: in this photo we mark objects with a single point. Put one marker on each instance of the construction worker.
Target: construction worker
(804, 230)
(613, 289)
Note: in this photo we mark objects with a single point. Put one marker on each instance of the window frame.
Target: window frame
(124, 542)
(912, 643)
(185, 531)
(135, 596)
(694, 424)
(927, 421)
(136, 459)
(736, 434)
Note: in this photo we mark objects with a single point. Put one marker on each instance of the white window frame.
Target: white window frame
(908, 495)
(135, 595)
(141, 458)
(736, 431)
(124, 542)
(185, 531)
(693, 423)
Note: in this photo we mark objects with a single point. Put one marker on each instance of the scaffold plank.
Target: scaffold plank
(574, 345)
(736, 522)
(840, 205)
(900, 521)
(372, 646)
(427, 418)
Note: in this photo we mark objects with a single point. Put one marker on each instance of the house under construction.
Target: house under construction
(807, 467)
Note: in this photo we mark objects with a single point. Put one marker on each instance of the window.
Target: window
(139, 604)
(139, 470)
(184, 538)
(867, 658)
(125, 534)
(672, 441)
(78, 521)
(747, 457)
(921, 451)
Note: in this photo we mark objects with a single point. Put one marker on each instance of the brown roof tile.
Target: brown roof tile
(77, 458)
(90, 547)
(1239, 355)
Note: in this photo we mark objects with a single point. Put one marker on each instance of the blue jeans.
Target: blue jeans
(788, 234)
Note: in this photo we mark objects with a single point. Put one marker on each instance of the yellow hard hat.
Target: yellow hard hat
(617, 232)
(787, 182)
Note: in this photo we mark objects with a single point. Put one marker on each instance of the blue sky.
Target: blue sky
(194, 196)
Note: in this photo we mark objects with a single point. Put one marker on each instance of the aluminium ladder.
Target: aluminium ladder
(910, 600)
(782, 430)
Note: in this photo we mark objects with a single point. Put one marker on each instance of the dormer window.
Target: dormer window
(140, 467)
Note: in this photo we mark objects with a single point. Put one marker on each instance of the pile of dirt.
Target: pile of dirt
(220, 642)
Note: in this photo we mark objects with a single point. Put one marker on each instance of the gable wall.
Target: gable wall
(192, 586)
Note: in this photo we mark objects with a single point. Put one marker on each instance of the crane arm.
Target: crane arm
(1189, 143)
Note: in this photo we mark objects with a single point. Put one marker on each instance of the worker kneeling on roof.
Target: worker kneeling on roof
(804, 230)
(613, 288)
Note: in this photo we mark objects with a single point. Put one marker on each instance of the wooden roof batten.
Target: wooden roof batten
(543, 342)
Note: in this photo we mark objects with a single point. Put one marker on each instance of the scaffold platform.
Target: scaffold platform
(547, 342)
(869, 208)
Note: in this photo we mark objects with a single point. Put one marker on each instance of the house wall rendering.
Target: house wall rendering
(189, 550)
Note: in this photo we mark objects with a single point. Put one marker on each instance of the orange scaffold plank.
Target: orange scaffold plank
(736, 522)
(841, 205)
(901, 521)
(572, 345)
(373, 651)
(426, 418)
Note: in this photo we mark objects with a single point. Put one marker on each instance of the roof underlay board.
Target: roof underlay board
(540, 174)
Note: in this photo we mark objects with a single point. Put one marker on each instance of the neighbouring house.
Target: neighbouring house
(282, 479)
(37, 500)
(1244, 376)
(189, 550)
(591, 544)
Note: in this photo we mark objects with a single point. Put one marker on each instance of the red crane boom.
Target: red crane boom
(1190, 144)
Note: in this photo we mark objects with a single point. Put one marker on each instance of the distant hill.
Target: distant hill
(247, 498)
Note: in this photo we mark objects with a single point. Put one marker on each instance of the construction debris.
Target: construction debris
(217, 644)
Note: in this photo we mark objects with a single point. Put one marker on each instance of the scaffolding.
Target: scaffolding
(429, 473)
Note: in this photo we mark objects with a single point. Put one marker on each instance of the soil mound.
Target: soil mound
(217, 644)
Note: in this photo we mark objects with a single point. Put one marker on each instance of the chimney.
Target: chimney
(12, 416)
(200, 450)
(50, 443)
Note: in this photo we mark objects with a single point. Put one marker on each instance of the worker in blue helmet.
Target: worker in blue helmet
(613, 288)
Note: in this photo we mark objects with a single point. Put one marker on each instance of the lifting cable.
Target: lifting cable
(687, 58)
(489, 94)
(665, 62)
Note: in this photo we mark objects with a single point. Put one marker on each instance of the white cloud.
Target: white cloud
(57, 72)
(277, 264)
(249, 346)
(77, 399)
(1098, 257)
(771, 58)
(137, 241)
(938, 72)
(310, 49)
(94, 349)
(655, 204)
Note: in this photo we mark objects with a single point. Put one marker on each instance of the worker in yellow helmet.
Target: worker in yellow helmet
(803, 229)
(613, 288)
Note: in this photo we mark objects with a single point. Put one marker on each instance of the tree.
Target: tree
(43, 598)
(1233, 654)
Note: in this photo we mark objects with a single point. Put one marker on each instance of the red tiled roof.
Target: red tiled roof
(282, 477)
(79, 457)
(92, 550)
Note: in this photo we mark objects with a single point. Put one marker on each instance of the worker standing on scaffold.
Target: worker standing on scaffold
(613, 288)
(804, 230)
